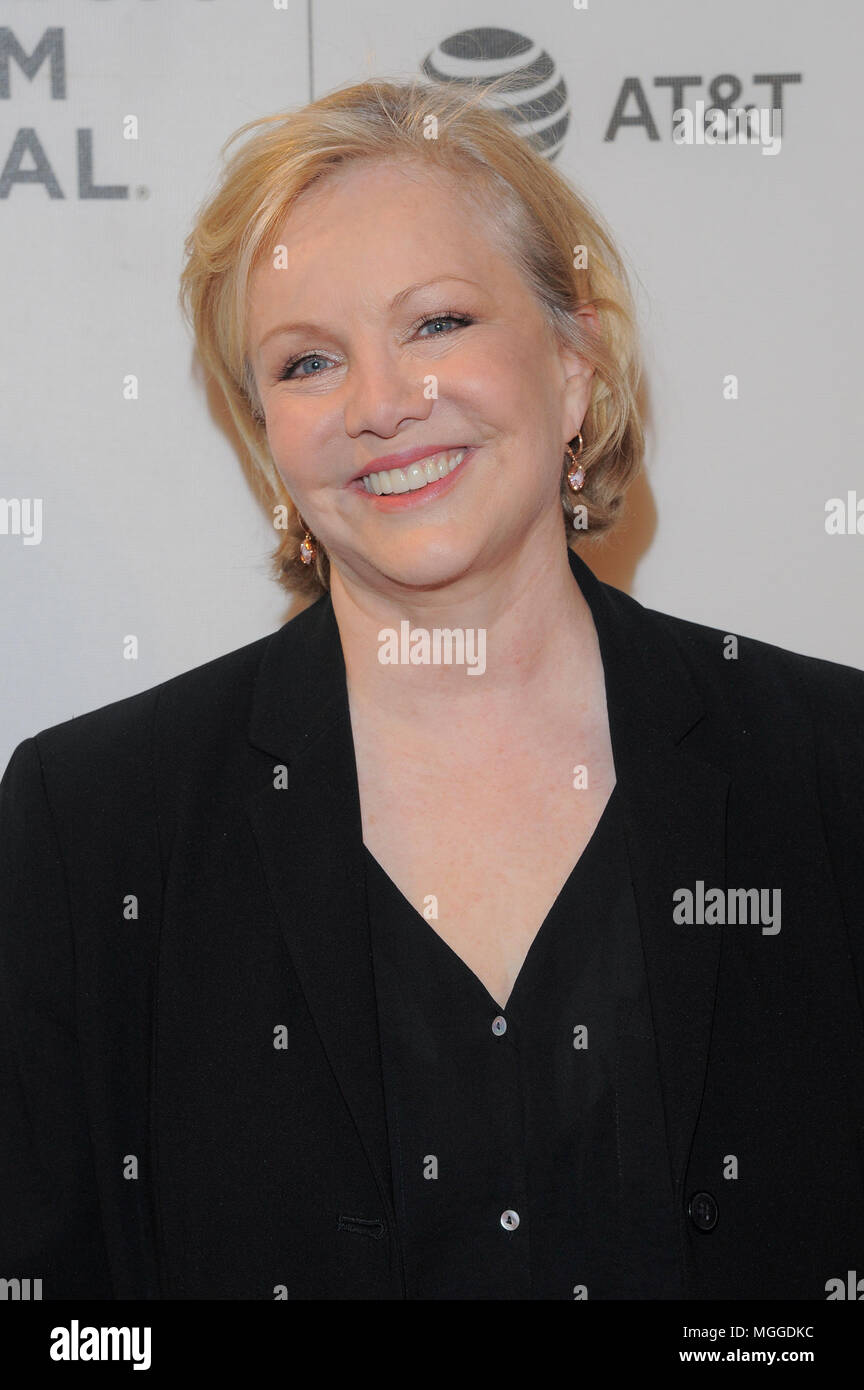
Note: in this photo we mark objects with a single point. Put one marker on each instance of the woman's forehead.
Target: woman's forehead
(374, 190)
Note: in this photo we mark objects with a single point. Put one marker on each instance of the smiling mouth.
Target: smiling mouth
(415, 477)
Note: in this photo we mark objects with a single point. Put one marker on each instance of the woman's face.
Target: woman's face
(398, 325)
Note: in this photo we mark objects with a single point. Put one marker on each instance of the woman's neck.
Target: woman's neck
(515, 638)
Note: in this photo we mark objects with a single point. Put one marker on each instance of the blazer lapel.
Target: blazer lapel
(675, 809)
(309, 835)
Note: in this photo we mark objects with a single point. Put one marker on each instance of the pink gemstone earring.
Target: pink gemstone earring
(576, 473)
(308, 548)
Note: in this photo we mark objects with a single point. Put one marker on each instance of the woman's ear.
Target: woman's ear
(589, 320)
(579, 374)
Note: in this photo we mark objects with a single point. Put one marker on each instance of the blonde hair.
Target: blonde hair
(536, 213)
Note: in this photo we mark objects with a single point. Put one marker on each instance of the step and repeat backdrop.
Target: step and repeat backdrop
(126, 512)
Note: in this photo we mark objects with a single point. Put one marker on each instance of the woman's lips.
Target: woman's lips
(397, 501)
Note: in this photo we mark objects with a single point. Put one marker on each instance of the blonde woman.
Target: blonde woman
(494, 936)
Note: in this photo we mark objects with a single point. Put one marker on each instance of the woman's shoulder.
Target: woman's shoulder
(195, 709)
(733, 670)
(752, 655)
(721, 662)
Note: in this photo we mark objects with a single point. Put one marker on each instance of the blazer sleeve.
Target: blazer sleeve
(50, 1223)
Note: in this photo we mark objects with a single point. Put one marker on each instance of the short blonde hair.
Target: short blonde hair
(536, 213)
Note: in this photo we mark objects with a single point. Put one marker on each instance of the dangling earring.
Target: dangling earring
(576, 473)
(308, 548)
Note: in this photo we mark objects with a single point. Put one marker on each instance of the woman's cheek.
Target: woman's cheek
(489, 380)
(284, 440)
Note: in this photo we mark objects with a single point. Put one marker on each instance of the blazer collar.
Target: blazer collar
(309, 834)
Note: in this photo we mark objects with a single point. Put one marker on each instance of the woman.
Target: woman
(480, 934)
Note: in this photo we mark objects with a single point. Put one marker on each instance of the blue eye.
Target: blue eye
(285, 374)
(460, 320)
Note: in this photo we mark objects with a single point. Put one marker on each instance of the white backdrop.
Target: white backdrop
(745, 264)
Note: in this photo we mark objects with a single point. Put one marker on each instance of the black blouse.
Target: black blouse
(528, 1144)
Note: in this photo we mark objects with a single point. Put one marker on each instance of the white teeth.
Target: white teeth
(415, 476)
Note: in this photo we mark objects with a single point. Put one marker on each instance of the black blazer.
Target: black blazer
(189, 1073)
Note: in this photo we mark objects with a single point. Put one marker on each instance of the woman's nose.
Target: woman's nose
(383, 389)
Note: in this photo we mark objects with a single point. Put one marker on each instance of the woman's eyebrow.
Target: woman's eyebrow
(422, 284)
(396, 301)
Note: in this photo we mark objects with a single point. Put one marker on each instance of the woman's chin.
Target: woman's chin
(424, 565)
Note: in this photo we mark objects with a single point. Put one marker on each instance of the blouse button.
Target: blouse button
(703, 1211)
(509, 1220)
(499, 1026)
